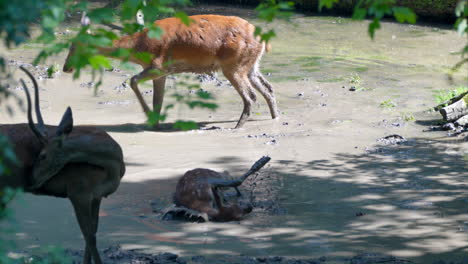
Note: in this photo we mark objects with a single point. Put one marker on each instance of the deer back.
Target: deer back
(38, 163)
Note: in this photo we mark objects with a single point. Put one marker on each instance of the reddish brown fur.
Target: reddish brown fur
(193, 191)
(209, 43)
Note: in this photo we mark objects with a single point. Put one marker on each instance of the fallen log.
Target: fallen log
(463, 121)
(449, 102)
(456, 109)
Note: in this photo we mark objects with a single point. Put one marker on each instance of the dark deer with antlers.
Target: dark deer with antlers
(210, 43)
(80, 163)
(198, 195)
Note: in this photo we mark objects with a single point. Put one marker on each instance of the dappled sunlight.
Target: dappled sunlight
(331, 190)
(153, 174)
(387, 201)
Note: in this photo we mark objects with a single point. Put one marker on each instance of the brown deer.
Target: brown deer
(208, 44)
(198, 195)
(83, 164)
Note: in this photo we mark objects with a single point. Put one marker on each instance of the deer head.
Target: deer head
(55, 149)
(234, 212)
(85, 21)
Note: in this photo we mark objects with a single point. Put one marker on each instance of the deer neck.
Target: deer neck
(126, 42)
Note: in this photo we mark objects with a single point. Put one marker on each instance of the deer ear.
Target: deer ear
(66, 124)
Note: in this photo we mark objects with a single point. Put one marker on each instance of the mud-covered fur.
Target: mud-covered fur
(199, 194)
(195, 191)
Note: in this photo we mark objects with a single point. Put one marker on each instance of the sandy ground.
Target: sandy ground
(331, 191)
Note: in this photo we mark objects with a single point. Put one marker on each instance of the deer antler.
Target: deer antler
(40, 121)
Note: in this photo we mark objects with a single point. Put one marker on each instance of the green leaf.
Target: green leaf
(49, 22)
(106, 33)
(373, 26)
(154, 118)
(155, 32)
(462, 27)
(326, 3)
(204, 94)
(404, 14)
(56, 12)
(185, 125)
(460, 10)
(101, 15)
(81, 6)
(201, 104)
(98, 61)
(143, 56)
(267, 36)
(359, 13)
(183, 17)
(130, 28)
(121, 53)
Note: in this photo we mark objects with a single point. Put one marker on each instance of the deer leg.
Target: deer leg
(84, 214)
(187, 212)
(95, 204)
(266, 90)
(217, 183)
(158, 95)
(243, 87)
(148, 73)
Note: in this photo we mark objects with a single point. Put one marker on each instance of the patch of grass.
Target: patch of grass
(417, 33)
(53, 69)
(408, 117)
(311, 69)
(280, 64)
(355, 79)
(286, 78)
(379, 57)
(331, 80)
(268, 70)
(360, 69)
(338, 59)
(311, 64)
(388, 104)
(442, 96)
(307, 59)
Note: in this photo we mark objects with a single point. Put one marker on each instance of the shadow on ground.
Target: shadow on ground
(406, 200)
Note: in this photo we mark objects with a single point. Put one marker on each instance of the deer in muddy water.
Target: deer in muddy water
(210, 43)
(83, 164)
(198, 193)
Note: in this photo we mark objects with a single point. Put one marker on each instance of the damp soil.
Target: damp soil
(357, 174)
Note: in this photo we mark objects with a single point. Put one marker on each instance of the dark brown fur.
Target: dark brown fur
(83, 164)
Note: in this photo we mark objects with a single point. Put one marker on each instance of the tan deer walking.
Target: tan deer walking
(83, 164)
(210, 43)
